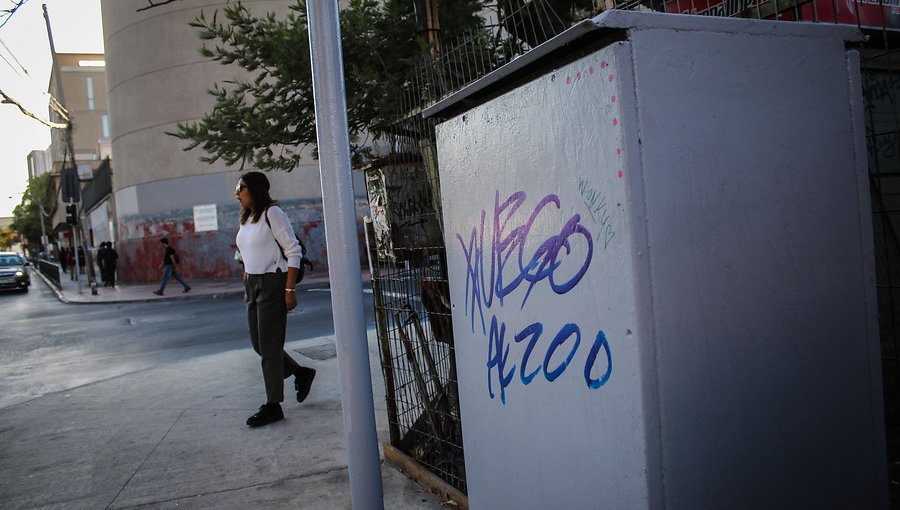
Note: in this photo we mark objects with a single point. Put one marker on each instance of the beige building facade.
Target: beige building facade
(78, 81)
(157, 79)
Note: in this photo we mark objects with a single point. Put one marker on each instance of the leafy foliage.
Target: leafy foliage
(27, 216)
(267, 117)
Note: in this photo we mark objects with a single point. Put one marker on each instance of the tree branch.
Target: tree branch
(152, 5)
(9, 100)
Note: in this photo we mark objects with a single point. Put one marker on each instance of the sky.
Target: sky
(77, 28)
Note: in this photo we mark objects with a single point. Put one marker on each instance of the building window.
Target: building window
(84, 171)
(105, 120)
(90, 92)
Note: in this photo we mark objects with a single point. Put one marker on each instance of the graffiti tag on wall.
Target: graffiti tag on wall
(511, 255)
(595, 199)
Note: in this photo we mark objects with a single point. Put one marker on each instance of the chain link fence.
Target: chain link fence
(406, 241)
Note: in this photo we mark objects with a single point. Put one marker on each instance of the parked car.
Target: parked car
(13, 272)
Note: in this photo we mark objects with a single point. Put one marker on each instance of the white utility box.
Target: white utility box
(659, 241)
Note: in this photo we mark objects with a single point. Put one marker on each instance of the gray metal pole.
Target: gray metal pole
(77, 268)
(343, 254)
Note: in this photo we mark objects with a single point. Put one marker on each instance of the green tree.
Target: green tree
(27, 215)
(266, 120)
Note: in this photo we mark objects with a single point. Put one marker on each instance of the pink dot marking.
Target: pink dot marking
(579, 75)
(568, 80)
(610, 77)
(591, 69)
(618, 152)
(603, 64)
(613, 99)
(616, 121)
(620, 174)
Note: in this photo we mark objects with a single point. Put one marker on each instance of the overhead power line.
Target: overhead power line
(7, 14)
(21, 71)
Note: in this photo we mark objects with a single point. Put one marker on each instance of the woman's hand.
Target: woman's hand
(290, 300)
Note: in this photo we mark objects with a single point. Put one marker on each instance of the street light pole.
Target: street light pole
(339, 208)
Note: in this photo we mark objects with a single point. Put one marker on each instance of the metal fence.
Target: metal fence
(412, 301)
(410, 280)
(409, 268)
(48, 269)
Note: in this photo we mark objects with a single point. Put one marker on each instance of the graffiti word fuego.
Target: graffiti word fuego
(499, 269)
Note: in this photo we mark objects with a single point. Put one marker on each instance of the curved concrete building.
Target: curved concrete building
(156, 79)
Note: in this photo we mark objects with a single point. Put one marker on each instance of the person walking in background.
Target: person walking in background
(101, 262)
(271, 256)
(111, 263)
(170, 260)
(81, 259)
(107, 260)
(70, 256)
(63, 259)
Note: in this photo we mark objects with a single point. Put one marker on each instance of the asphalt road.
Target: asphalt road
(137, 406)
(47, 346)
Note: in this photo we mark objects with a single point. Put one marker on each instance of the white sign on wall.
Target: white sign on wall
(206, 218)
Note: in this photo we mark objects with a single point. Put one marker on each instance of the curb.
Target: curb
(181, 297)
(59, 295)
(190, 297)
(177, 297)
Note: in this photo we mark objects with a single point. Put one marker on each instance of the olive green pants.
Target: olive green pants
(267, 321)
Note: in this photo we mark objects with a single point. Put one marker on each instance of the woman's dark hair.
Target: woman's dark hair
(257, 185)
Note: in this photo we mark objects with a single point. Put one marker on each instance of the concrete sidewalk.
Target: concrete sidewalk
(143, 292)
(173, 436)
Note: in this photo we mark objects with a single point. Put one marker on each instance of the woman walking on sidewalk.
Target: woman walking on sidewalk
(272, 257)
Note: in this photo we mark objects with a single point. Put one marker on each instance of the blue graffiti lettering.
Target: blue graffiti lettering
(497, 357)
(541, 265)
(599, 343)
(534, 331)
(499, 353)
(495, 272)
(564, 333)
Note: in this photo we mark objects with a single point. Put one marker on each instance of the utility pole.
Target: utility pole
(70, 150)
(77, 262)
(429, 24)
(341, 237)
(58, 94)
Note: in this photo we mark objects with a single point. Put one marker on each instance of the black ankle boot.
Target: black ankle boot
(268, 413)
(303, 379)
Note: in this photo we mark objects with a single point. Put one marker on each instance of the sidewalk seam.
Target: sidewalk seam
(152, 451)
(232, 489)
(73, 388)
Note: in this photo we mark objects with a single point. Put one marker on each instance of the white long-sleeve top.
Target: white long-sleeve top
(256, 241)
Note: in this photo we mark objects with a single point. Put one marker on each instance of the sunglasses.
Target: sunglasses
(240, 186)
